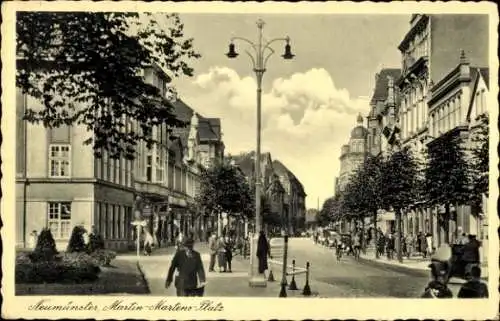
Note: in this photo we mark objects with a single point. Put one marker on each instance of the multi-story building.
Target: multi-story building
(60, 183)
(427, 52)
(384, 105)
(455, 103)
(274, 173)
(352, 154)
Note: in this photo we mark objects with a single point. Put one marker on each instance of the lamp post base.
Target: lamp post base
(258, 281)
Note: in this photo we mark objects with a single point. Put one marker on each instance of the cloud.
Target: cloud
(305, 120)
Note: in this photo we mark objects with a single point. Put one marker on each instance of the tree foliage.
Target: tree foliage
(330, 211)
(447, 175)
(399, 180)
(480, 158)
(224, 189)
(85, 68)
(76, 242)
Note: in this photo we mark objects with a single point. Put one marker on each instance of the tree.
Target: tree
(324, 216)
(76, 242)
(86, 69)
(224, 189)
(480, 159)
(447, 175)
(45, 249)
(399, 184)
(364, 196)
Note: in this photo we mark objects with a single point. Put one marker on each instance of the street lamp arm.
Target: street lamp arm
(268, 44)
(245, 40)
(252, 58)
(268, 56)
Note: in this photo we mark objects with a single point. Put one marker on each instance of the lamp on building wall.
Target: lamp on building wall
(259, 57)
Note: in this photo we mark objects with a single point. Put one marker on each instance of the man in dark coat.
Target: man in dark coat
(191, 279)
(263, 252)
(473, 288)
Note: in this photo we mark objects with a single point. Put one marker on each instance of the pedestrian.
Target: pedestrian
(463, 239)
(357, 245)
(229, 244)
(263, 252)
(409, 244)
(390, 246)
(212, 246)
(429, 246)
(190, 280)
(471, 253)
(474, 288)
(420, 245)
(437, 288)
(33, 239)
(380, 243)
(148, 243)
(221, 254)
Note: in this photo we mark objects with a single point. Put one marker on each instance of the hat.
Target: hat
(443, 253)
(189, 242)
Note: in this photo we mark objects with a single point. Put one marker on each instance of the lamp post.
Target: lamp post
(260, 54)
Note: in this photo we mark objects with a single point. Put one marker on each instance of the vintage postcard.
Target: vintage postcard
(217, 160)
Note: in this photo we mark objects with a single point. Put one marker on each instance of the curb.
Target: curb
(396, 268)
(143, 276)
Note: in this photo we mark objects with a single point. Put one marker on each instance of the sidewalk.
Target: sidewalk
(235, 284)
(415, 264)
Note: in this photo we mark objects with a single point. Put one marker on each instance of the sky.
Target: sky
(309, 103)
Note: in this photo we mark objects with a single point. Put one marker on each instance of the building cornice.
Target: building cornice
(419, 26)
(413, 71)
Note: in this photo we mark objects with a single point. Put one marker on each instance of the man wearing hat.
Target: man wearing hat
(190, 280)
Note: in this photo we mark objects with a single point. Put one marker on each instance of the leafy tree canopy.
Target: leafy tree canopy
(447, 175)
(224, 189)
(480, 157)
(86, 68)
(399, 179)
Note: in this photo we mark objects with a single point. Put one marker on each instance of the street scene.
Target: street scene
(217, 155)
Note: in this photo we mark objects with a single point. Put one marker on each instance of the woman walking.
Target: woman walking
(228, 245)
(221, 254)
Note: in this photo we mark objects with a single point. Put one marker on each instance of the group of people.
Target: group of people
(190, 278)
(440, 275)
(420, 244)
(221, 249)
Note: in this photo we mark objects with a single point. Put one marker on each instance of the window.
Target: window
(160, 164)
(59, 219)
(149, 166)
(59, 160)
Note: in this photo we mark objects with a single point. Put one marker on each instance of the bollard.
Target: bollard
(270, 278)
(307, 289)
(293, 285)
(282, 293)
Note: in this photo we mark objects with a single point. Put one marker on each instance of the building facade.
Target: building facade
(291, 191)
(428, 50)
(61, 184)
(455, 104)
(352, 154)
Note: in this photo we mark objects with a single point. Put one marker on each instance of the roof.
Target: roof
(382, 83)
(485, 73)
(208, 128)
(280, 168)
(246, 163)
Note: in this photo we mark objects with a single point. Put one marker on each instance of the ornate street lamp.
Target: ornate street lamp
(259, 57)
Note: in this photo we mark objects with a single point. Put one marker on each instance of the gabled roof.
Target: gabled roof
(476, 74)
(280, 168)
(382, 83)
(208, 128)
(485, 73)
